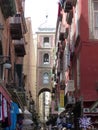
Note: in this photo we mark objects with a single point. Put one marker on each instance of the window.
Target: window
(1, 65)
(67, 56)
(45, 78)
(77, 17)
(93, 19)
(96, 19)
(46, 39)
(1, 72)
(78, 72)
(46, 58)
(46, 42)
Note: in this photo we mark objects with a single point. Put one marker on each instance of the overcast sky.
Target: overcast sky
(38, 9)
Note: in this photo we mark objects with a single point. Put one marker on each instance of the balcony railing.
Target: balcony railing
(74, 2)
(16, 29)
(68, 5)
(69, 17)
(19, 47)
(18, 97)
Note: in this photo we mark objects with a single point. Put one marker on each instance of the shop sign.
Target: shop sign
(70, 86)
(61, 98)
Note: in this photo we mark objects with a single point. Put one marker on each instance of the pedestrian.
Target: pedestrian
(59, 122)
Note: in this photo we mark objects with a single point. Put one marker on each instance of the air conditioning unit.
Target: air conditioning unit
(86, 110)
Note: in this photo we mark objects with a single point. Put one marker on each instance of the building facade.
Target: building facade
(29, 66)
(12, 49)
(76, 62)
(45, 49)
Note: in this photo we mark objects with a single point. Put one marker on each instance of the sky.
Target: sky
(38, 9)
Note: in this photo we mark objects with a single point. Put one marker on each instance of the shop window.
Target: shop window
(45, 78)
(46, 58)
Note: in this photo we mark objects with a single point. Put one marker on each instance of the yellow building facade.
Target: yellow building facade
(30, 64)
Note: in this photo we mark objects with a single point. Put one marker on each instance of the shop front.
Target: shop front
(5, 100)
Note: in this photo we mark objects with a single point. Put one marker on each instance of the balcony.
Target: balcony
(69, 17)
(63, 33)
(61, 50)
(12, 89)
(16, 28)
(68, 5)
(64, 36)
(74, 2)
(19, 47)
(8, 7)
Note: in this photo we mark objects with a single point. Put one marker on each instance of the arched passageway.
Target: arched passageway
(44, 100)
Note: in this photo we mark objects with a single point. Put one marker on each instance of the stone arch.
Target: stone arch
(43, 90)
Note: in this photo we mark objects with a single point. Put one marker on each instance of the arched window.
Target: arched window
(46, 43)
(46, 39)
(45, 78)
(46, 58)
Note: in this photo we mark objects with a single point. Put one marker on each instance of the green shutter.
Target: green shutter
(8, 8)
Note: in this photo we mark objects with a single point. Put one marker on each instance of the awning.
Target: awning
(5, 93)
